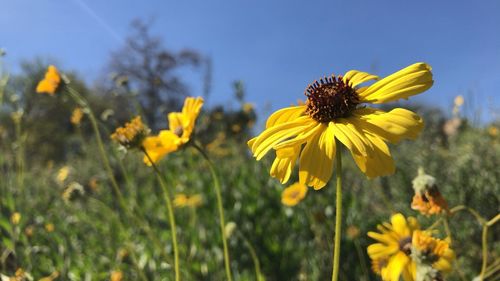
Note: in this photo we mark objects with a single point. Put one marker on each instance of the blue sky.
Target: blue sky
(276, 47)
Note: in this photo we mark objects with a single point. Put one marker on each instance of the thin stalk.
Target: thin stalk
(171, 217)
(484, 242)
(220, 208)
(447, 228)
(338, 216)
(253, 254)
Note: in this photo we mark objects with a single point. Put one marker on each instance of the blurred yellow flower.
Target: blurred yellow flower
(50, 83)
(49, 227)
(183, 200)
(435, 251)
(181, 126)
(293, 194)
(248, 108)
(15, 218)
(29, 230)
(493, 131)
(116, 275)
(459, 101)
(132, 134)
(429, 203)
(334, 114)
(76, 116)
(63, 174)
(391, 254)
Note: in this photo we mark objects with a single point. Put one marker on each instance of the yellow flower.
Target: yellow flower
(15, 218)
(334, 112)
(393, 249)
(493, 131)
(50, 83)
(132, 134)
(50, 227)
(181, 126)
(183, 200)
(429, 203)
(76, 116)
(63, 174)
(116, 276)
(432, 250)
(293, 194)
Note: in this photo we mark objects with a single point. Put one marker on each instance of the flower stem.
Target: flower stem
(338, 216)
(220, 208)
(171, 217)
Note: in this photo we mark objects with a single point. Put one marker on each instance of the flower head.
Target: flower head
(293, 194)
(181, 126)
(15, 218)
(391, 254)
(76, 116)
(334, 114)
(183, 200)
(132, 134)
(50, 83)
(431, 251)
(427, 199)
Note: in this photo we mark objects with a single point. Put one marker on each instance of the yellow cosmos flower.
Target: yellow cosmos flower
(391, 254)
(334, 111)
(183, 200)
(433, 250)
(116, 275)
(76, 116)
(132, 134)
(293, 194)
(50, 82)
(181, 126)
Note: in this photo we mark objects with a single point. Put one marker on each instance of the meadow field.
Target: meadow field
(76, 205)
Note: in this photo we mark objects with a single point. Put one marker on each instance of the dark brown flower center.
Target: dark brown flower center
(405, 245)
(330, 98)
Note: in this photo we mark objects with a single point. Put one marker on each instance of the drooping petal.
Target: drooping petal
(392, 126)
(284, 162)
(396, 265)
(285, 115)
(407, 82)
(353, 138)
(159, 146)
(276, 134)
(356, 77)
(302, 138)
(380, 163)
(316, 160)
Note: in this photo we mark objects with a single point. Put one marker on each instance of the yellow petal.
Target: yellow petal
(400, 226)
(354, 139)
(285, 115)
(392, 126)
(356, 77)
(407, 82)
(302, 138)
(159, 146)
(396, 265)
(283, 164)
(379, 163)
(316, 160)
(276, 134)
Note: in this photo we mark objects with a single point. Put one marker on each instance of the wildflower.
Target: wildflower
(431, 253)
(132, 134)
(391, 254)
(116, 275)
(334, 112)
(427, 199)
(15, 218)
(49, 227)
(352, 232)
(73, 190)
(29, 230)
(63, 174)
(50, 83)
(293, 194)
(493, 131)
(183, 200)
(76, 116)
(181, 126)
(248, 108)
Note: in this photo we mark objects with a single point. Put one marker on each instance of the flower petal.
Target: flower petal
(353, 138)
(379, 163)
(316, 160)
(285, 115)
(276, 134)
(396, 265)
(284, 162)
(356, 77)
(407, 82)
(392, 126)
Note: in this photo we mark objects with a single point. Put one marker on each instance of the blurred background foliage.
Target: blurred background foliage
(58, 214)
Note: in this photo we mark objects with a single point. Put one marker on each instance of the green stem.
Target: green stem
(171, 217)
(338, 216)
(221, 210)
(253, 254)
(484, 242)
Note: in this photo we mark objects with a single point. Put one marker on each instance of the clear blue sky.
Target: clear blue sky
(276, 47)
